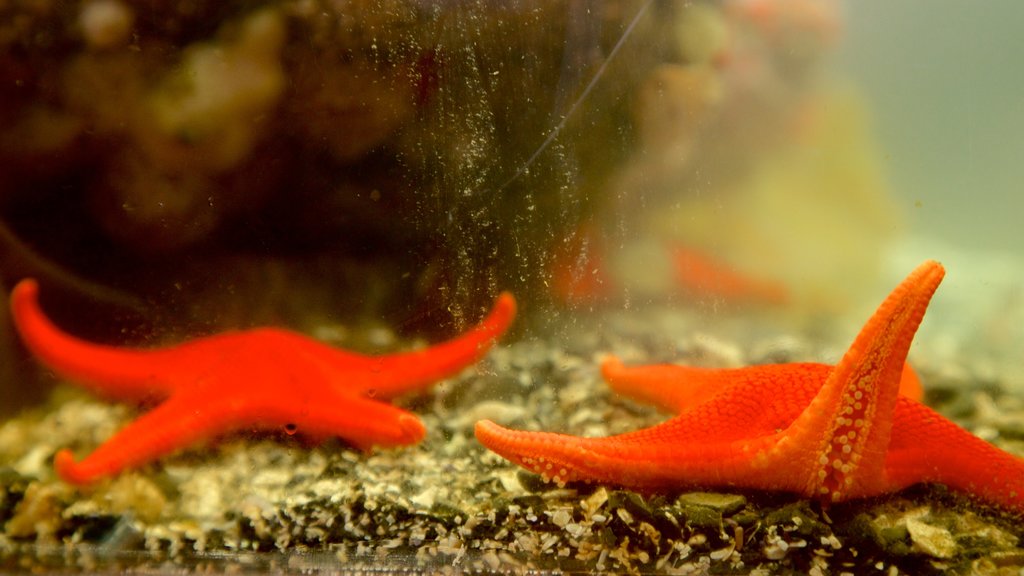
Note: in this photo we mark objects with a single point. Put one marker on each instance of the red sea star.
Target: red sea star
(582, 274)
(264, 379)
(702, 275)
(827, 433)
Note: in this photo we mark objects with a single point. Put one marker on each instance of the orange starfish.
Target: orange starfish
(702, 275)
(263, 379)
(580, 274)
(827, 433)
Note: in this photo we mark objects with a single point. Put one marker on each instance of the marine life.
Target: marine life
(661, 384)
(583, 270)
(266, 379)
(703, 275)
(831, 434)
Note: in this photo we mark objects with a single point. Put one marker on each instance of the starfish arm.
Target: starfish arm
(676, 387)
(910, 384)
(724, 440)
(841, 439)
(712, 443)
(180, 421)
(660, 457)
(362, 422)
(395, 374)
(926, 447)
(559, 457)
(109, 371)
(699, 274)
(667, 386)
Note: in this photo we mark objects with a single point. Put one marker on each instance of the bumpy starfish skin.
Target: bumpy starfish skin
(658, 384)
(828, 433)
(265, 379)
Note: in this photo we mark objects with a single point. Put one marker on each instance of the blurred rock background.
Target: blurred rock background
(174, 168)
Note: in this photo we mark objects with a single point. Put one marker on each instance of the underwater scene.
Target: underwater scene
(512, 286)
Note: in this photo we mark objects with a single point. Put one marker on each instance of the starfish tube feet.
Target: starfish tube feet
(263, 379)
(841, 439)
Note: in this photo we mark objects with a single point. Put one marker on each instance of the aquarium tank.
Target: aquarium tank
(511, 286)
